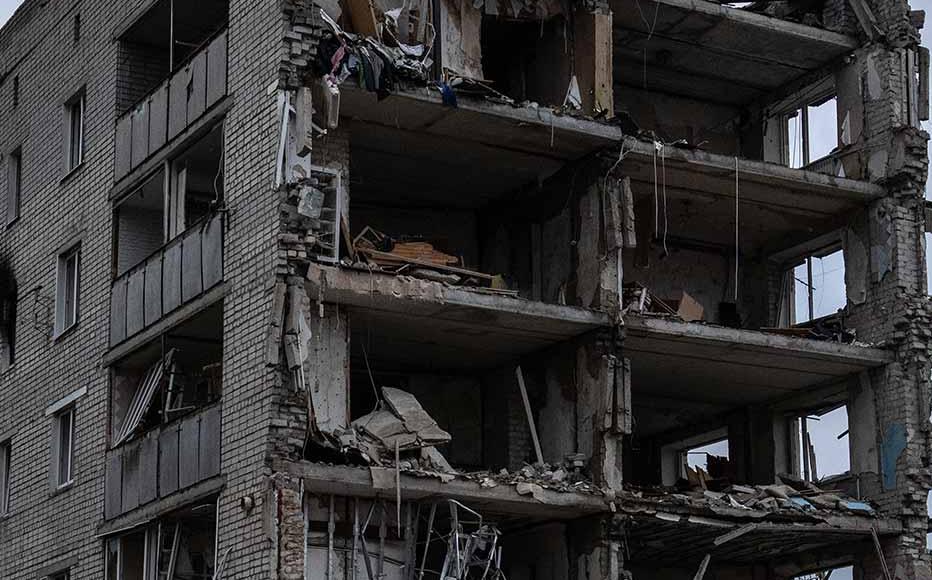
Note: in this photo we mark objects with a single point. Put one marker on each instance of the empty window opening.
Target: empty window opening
(14, 184)
(697, 459)
(811, 132)
(67, 289)
(181, 545)
(845, 573)
(74, 131)
(163, 207)
(818, 286)
(823, 444)
(63, 448)
(173, 376)
(62, 575)
(6, 455)
(15, 91)
(161, 41)
(76, 30)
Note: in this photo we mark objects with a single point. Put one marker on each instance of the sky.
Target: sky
(827, 279)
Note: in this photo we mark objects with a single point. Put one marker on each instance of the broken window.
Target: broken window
(74, 131)
(819, 286)
(173, 376)
(14, 184)
(823, 444)
(696, 459)
(178, 546)
(67, 285)
(62, 575)
(63, 448)
(6, 454)
(811, 132)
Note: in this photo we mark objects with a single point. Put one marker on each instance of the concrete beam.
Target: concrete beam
(503, 499)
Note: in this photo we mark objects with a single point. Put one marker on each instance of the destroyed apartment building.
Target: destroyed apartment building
(464, 290)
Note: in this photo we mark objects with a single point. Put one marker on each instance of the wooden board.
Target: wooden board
(113, 485)
(158, 118)
(118, 311)
(188, 451)
(140, 118)
(191, 281)
(178, 102)
(209, 448)
(171, 278)
(168, 460)
(593, 54)
(212, 251)
(217, 69)
(135, 302)
(153, 290)
(123, 147)
(148, 468)
(362, 17)
(197, 98)
(130, 476)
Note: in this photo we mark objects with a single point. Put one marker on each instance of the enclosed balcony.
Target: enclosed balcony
(172, 70)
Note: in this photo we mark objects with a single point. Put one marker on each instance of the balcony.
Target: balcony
(176, 274)
(163, 461)
(173, 107)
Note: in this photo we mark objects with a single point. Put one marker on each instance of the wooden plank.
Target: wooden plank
(188, 451)
(123, 147)
(113, 484)
(209, 447)
(118, 311)
(148, 468)
(130, 476)
(135, 302)
(168, 460)
(153, 292)
(593, 56)
(140, 148)
(178, 102)
(197, 96)
(158, 118)
(171, 278)
(191, 281)
(217, 69)
(453, 269)
(212, 251)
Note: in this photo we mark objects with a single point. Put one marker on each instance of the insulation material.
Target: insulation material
(460, 35)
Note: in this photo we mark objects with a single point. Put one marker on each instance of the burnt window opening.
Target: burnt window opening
(8, 301)
(173, 376)
(161, 41)
(178, 196)
(14, 184)
(181, 545)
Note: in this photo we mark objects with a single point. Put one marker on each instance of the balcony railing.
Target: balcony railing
(176, 274)
(163, 461)
(172, 107)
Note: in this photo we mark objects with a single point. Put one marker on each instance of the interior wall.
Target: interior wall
(455, 403)
(139, 234)
(673, 118)
(539, 553)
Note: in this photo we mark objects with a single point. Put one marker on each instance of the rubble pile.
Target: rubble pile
(566, 477)
(796, 498)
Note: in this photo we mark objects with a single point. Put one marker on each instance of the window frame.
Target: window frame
(63, 324)
(58, 457)
(14, 184)
(74, 145)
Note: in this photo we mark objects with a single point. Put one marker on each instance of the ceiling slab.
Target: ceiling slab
(681, 38)
(704, 363)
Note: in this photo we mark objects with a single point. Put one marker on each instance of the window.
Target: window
(63, 448)
(14, 184)
(77, 28)
(66, 299)
(63, 575)
(811, 132)
(823, 444)
(15, 92)
(5, 456)
(700, 457)
(819, 286)
(74, 131)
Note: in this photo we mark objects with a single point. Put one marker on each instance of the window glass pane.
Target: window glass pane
(5, 478)
(823, 129)
(69, 290)
(65, 440)
(827, 284)
(75, 114)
